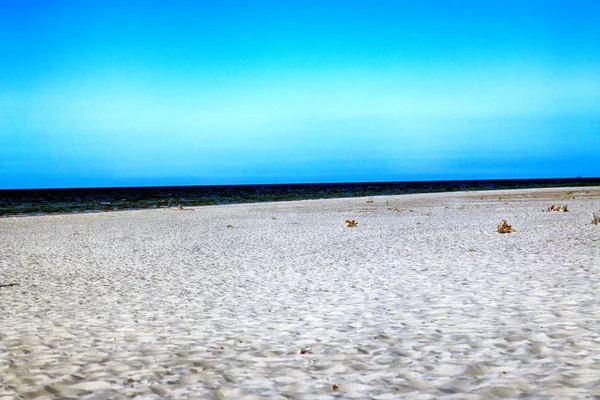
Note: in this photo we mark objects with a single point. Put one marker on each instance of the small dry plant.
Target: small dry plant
(564, 208)
(370, 201)
(351, 223)
(595, 219)
(504, 227)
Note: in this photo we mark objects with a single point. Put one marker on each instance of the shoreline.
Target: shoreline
(422, 299)
(54, 201)
(478, 192)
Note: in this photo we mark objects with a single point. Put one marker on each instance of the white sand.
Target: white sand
(425, 302)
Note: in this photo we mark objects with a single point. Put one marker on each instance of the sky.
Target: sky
(138, 93)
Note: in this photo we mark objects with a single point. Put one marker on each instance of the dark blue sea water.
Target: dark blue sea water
(49, 201)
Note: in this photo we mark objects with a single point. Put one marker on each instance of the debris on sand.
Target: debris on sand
(564, 208)
(504, 227)
(9, 285)
(370, 201)
(351, 223)
(595, 219)
(179, 208)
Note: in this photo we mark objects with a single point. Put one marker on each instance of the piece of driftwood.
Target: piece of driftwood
(351, 223)
(504, 227)
(9, 285)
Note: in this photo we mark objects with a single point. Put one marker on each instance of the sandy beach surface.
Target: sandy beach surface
(424, 299)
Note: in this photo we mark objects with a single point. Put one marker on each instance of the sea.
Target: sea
(24, 202)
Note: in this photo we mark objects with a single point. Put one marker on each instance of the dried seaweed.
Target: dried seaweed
(504, 227)
(595, 219)
(351, 223)
(563, 208)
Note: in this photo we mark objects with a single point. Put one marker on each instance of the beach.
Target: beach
(423, 299)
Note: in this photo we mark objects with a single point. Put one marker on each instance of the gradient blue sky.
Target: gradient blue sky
(121, 93)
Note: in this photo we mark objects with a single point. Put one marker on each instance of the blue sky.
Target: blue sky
(125, 93)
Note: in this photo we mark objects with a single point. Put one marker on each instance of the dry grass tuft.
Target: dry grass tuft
(351, 223)
(595, 219)
(504, 227)
(564, 208)
(370, 201)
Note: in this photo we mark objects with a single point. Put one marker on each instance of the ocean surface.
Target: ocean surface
(52, 201)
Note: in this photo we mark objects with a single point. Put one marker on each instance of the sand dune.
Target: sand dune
(422, 299)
